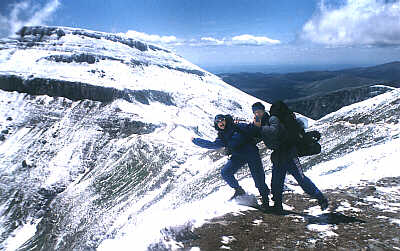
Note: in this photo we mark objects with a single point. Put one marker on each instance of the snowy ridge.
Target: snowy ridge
(88, 173)
(34, 50)
(113, 161)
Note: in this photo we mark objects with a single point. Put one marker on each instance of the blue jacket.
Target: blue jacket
(237, 137)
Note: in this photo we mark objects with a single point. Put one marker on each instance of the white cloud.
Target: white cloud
(237, 40)
(152, 38)
(26, 13)
(355, 22)
(253, 40)
(44, 14)
(172, 41)
(213, 41)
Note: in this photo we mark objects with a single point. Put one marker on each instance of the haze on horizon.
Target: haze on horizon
(235, 35)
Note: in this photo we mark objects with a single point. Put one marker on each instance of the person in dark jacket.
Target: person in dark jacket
(284, 158)
(238, 139)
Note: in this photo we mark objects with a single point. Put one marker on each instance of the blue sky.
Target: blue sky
(222, 35)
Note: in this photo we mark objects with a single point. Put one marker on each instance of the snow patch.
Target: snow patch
(21, 235)
(395, 221)
(257, 222)
(323, 230)
(314, 211)
(228, 239)
(345, 206)
(370, 164)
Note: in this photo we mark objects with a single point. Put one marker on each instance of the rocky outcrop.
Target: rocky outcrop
(35, 34)
(80, 91)
(84, 128)
(317, 106)
(79, 58)
(49, 38)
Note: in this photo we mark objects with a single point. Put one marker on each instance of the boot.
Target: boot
(238, 192)
(277, 208)
(265, 202)
(323, 203)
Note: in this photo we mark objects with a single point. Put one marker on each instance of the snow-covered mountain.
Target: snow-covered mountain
(96, 135)
(95, 148)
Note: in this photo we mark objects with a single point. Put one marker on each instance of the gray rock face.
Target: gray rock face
(317, 106)
(51, 126)
(34, 34)
(80, 91)
(77, 58)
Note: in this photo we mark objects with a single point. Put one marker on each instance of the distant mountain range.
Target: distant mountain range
(316, 85)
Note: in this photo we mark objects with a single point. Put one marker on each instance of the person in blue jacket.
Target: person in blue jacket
(284, 156)
(238, 139)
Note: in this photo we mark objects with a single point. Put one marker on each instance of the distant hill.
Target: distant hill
(389, 72)
(271, 87)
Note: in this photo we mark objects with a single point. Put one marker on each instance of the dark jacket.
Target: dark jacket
(275, 137)
(236, 137)
(273, 133)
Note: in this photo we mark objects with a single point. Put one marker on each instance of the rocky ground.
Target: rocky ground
(364, 217)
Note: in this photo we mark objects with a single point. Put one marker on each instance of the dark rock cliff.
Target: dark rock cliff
(317, 106)
(80, 91)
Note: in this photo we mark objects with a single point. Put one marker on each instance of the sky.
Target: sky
(234, 35)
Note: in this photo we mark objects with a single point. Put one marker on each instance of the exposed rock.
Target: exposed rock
(24, 164)
(33, 34)
(317, 106)
(195, 72)
(80, 58)
(80, 91)
(125, 127)
(354, 226)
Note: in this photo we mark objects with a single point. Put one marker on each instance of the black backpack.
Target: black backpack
(305, 142)
(309, 144)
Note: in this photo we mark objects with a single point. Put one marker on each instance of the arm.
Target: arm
(272, 129)
(250, 130)
(244, 134)
(218, 143)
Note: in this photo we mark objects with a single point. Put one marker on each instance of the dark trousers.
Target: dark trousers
(293, 167)
(256, 169)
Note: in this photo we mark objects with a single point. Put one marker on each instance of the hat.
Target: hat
(218, 118)
(257, 106)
